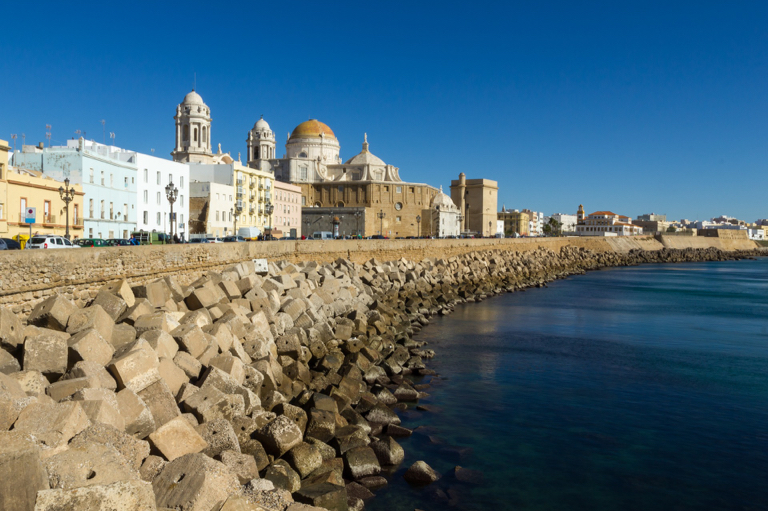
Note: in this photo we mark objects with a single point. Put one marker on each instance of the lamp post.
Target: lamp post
(466, 227)
(418, 226)
(357, 219)
(381, 216)
(171, 193)
(269, 209)
(459, 218)
(67, 194)
(236, 211)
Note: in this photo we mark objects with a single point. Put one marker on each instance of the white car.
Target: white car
(49, 241)
(215, 240)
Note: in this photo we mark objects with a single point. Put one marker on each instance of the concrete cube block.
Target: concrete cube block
(199, 317)
(22, 472)
(122, 334)
(111, 303)
(189, 364)
(103, 412)
(122, 496)
(165, 321)
(138, 418)
(230, 289)
(83, 369)
(151, 466)
(157, 292)
(176, 438)
(136, 369)
(65, 388)
(324, 495)
(91, 317)
(132, 449)
(121, 289)
(194, 482)
(201, 298)
(53, 425)
(160, 401)
(46, 353)
(11, 330)
(31, 382)
(361, 462)
(242, 465)
(8, 363)
(91, 346)
(88, 465)
(279, 436)
(162, 342)
(304, 458)
(140, 308)
(321, 424)
(191, 339)
(52, 313)
(172, 375)
(231, 365)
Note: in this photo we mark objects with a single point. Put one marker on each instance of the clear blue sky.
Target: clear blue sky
(629, 106)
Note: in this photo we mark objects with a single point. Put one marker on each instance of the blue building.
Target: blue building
(108, 177)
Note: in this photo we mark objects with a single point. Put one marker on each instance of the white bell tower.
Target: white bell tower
(193, 130)
(261, 142)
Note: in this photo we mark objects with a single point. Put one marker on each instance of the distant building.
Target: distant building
(757, 234)
(445, 216)
(567, 222)
(477, 200)
(515, 222)
(536, 225)
(652, 226)
(605, 223)
(211, 209)
(652, 217)
(286, 219)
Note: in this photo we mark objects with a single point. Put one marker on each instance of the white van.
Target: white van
(249, 233)
(322, 235)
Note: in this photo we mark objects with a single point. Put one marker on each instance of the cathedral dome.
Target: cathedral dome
(312, 129)
(193, 98)
(365, 157)
(442, 200)
(261, 125)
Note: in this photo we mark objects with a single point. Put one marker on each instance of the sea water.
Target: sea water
(637, 388)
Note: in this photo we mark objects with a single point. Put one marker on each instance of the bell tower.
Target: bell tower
(580, 214)
(193, 130)
(261, 143)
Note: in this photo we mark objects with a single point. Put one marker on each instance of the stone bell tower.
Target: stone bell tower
(193, 130)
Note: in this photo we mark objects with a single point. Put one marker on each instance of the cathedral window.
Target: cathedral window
(398, 189)
(195, 134)
(205, 135)
(186, 132)
(303, 173)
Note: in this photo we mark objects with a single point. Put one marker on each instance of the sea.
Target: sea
(633, 388)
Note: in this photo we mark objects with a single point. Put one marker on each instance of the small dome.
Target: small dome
(261, 125)
(312, 129)
(193, 98)
(365, 157)
(442, 200)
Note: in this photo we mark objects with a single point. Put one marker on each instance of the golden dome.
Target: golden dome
(312, 129)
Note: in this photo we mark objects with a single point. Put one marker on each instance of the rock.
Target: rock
(120, 496)
(89, 345)
(46, 353)
(219, 436)
(283, 476)
(138, 418)
(421, 474)
(177, 438)
(22, 473)
(194, 482)
(132, 449)
(11, 331)
(304, 458)
(242, 465)
(466, 475)
(52, 313)
(382, 415)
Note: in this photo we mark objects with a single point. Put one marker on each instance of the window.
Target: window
(181, 200)
(397, 218)
(303, 201)
(102, 178)
(125, 211)
(217, 216)
(303, 174)
(170, 178)
(90, 208)
(158, 218)
(126, 182)
(181, 219)
(398, 189)
(158, 197)
(75, 214)
(158, 177)
(230, 216)
(186, 133)
(181, 181)
(23, 210)
(195, 133)
(102, 211)
(91, 175)
(111, 180)
(90, 232)
(46, 211)
(146, 217)
(146, 197)
(146, 176)
(111, 211)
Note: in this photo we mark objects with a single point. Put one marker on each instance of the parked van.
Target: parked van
(249, 233)
(322, 235)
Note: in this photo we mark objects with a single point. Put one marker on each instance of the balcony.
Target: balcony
(240, 182)
(251, 210)
(49, 219)
(261, 187)
(261, 199)
(252, 184)
(240, 190)
(252, 197)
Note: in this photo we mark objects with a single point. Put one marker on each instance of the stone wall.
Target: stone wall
(30, 276)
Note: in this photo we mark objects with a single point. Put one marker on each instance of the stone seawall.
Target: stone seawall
(28, 277)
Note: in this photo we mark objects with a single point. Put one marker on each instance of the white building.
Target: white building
(535, 223)
(567, 222)
(445, 216)
(605, 223)
(756, 234)
(212, 206)
(154, 210)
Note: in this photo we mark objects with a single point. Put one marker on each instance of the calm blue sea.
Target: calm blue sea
(640, 388)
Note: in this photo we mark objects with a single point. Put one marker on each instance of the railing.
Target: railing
(49, 219)
(261, 187)
(252, 184)
(252, 197)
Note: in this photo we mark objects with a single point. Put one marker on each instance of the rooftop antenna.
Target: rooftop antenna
(104, 131)
(48, 134)
(13, 136)
(194, 82)
(112, 136)
(153, 150)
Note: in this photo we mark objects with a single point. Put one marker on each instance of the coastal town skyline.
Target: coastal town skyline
(441, 116)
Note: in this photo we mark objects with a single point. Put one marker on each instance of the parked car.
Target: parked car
(231, 239)
(92, 242)
(119, 242)
(50, 241)
(249, 233)
(215, 240)
(199, 240)
(151, 238)
(9, 244)
(322, 235)
(379, 237)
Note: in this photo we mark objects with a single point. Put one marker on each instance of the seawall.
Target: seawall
(28, 277)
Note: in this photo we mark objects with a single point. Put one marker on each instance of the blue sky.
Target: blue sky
(635, 107)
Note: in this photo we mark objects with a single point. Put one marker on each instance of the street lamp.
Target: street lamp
(357, 219)
(269, 209)
(235, 212)
(466, 226)
(67, 194)
(381, 216)
(459, 218)
(172, 193)
(418, 225)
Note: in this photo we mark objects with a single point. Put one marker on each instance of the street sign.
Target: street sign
(31, 213)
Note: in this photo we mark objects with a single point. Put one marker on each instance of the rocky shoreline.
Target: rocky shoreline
(242, 391)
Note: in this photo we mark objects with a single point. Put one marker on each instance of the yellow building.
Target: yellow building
(253, 191)
(477, 202)
(515, 222)
(21, 189)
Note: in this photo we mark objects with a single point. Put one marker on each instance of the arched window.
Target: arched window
(205, 135)
(255, 153)
(195, 134)
(186, 132)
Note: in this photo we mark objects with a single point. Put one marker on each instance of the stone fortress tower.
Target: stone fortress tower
(193, 130)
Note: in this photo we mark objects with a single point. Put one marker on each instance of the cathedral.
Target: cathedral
(366, 188)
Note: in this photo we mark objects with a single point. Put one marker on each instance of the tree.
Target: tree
(553, 228)
(671, 228)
